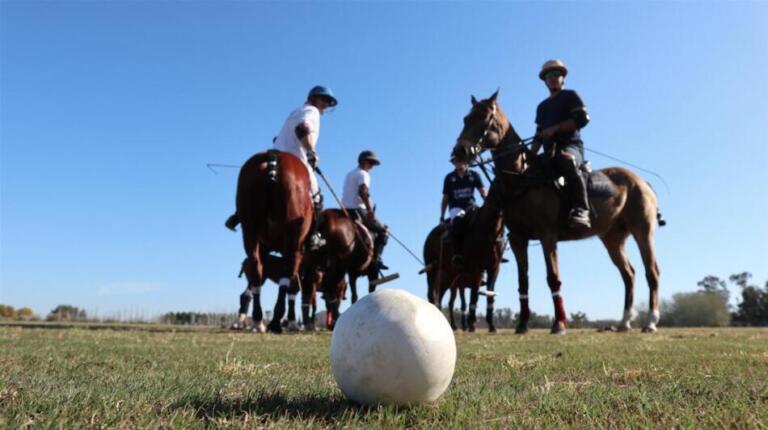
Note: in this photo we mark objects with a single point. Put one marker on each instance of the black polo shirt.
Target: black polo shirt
(555, 110)
(461, 190)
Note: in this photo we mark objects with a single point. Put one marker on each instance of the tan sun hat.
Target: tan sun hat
(552, 65)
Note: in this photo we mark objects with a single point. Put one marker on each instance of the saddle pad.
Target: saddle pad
(598, 185)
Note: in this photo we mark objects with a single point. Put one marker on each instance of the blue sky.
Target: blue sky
(109, 112)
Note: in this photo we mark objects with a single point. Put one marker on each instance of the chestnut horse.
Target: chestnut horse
(348, 252)
(535, 210)
(275, 215)
(483, 250)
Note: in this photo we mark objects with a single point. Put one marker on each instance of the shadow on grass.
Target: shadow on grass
(270, 406)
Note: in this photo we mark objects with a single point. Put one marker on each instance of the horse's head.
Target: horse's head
(484, 128)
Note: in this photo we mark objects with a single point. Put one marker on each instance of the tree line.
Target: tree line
(706, 307)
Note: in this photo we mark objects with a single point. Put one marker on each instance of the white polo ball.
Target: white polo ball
(392, 347)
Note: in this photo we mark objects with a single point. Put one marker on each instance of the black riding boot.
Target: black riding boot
(457, 242)
(579, 216)
(232, 222)
(314, 240)
(378, 249)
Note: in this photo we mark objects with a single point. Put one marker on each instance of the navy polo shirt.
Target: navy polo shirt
(555, 110)
(461, 190)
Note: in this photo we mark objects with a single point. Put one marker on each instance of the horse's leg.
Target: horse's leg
(253, 292)
(549, 247)
(614, 242)
(490, 299)
(473, 297)
(463, 300)
(451, 306)
(353, 286)
(644, 238)
(307, 292)
(520, 249)
(277, 315)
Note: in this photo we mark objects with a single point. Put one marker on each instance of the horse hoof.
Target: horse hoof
(649, 329)
(521, 330)
(453, 327)
(471, 329)
(492, 329)
(275, 328)
(293, 326)
(623, 329)
(558, 329)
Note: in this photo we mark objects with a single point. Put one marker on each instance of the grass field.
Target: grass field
(75, 378)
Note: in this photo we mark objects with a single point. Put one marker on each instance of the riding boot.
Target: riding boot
(314, 240)
(232, 222)
(579, 216)
(457, 242)
(378, 249)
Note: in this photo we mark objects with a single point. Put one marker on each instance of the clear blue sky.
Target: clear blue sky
(109, 112)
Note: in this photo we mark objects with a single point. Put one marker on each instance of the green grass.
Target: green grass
(75, 378)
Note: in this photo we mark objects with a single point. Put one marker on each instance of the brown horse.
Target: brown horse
(348, 252)
(274, 267)
(275, 215)
(483, 249)
(535, 210)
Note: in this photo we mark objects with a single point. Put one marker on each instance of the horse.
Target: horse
(535, 210)
(275, 210)
(482, 250)
(348, 252)
(273, 268)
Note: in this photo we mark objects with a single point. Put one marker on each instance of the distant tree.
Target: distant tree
(698, 309)
(752, 309)
(578, 320)
(67, 313)
(504, 318)
(7, 312)
(25, 314)
(714, 285)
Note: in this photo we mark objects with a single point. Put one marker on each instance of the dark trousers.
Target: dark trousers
(377, 229)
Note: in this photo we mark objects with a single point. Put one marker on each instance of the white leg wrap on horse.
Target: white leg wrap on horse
(256, 290)
(653, 317)
(555, 293)
(463, 312)
(284, 282)
(523, 296)
(243, 317)
(292, 297)
(627, 315)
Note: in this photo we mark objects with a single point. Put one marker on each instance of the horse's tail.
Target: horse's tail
(659, 217)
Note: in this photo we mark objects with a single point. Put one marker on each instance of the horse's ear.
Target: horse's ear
(474, 101)
(494, 95)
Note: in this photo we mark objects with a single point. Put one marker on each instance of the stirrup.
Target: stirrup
(315, 242)
(579, 218)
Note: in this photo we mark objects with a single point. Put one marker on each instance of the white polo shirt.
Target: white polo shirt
(287, 141)
(351, 196)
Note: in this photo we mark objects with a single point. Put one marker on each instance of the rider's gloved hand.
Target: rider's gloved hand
(312, 158)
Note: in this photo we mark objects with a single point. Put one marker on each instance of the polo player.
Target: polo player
(356, 198)
(559, 119)
(299, 136)
(459, 197)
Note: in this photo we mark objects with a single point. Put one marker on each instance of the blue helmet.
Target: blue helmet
(322, 91)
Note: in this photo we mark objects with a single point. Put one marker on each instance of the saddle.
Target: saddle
(598, 183)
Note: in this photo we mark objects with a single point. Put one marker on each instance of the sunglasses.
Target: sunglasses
(553, 74)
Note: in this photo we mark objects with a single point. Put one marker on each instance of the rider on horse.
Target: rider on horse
(459, 196)
(558, 121)
(357, 199)
(299, 137)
